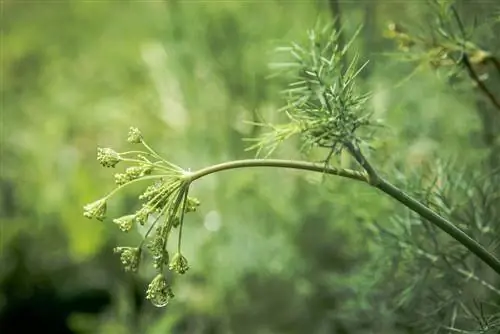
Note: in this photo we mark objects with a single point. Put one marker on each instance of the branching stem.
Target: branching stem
(354, 150)
(472, 73)
(383, 185)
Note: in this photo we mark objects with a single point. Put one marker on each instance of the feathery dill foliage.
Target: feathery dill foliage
(165, 201)
(448, 48)
(323, 104)
(436, 285)
(439, 286)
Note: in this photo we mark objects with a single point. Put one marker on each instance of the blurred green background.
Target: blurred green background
(271, 251)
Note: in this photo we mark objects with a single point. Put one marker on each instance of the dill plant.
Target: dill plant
(438, 232)
(441, 287)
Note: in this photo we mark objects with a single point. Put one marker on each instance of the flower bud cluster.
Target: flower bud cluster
(129, 256)
(159, 292)
(165, 199)
(133, 173)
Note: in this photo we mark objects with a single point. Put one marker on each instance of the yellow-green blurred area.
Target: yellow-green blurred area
(270, 251)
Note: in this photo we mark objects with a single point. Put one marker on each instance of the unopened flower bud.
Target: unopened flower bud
(107, 157)
(159, 292)
(134, 135)
(129, 256)
(192, 204)
(125, 223)
(96, 210)
(179, 264)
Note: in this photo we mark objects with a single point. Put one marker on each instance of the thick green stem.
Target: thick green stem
(382, 185)
(302, 165)
(441, 223)
(354, 150)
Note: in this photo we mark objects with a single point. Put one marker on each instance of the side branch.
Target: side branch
(479, 82)
(291, 164)
(381, 184)
(354, 150)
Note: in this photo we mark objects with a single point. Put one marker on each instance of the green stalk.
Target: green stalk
(441, 223)
(291, 164)
(383, 185)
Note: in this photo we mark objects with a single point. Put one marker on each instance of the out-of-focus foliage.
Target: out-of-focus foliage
(271, 251)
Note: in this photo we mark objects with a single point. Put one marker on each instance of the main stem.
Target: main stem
(383, 185)
(441, 223)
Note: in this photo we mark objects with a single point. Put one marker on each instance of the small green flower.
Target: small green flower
(130, 257)
(134, 136)
(132, 173)
(159, 292)
(121, 179)
(157, 248)
(96, 210)
(141, 216)
(192, 204)
(176, 221)
(161, 259)
(125, 223)
(152, 190)
(136, 172)
(179, 264)
(107, 157)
